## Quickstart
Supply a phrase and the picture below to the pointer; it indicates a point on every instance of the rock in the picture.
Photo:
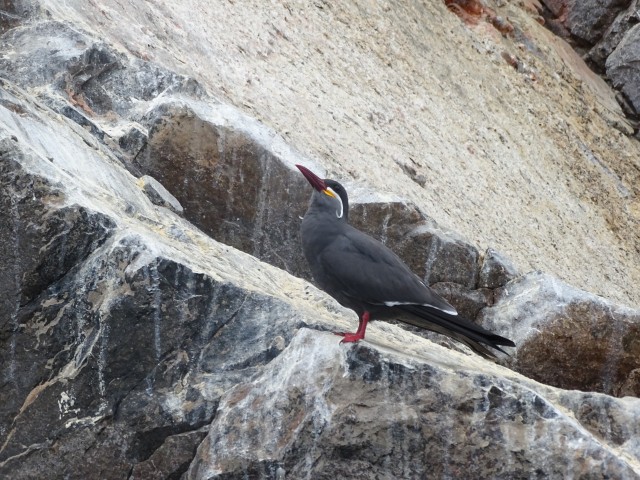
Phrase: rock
(605, 32)
(449, 258)
(585, 20)
(496, 270)
(468, 302)
(323, 411)
(171, 459)
(118, 342)
(613, 36)
(133, 140)
(14, 13)
(119, 387)
(434, 255)
(566, 337)
(622, 67)
(91, 78)
(234, 177)
(159, 195)
(43, 242)
(157, 334)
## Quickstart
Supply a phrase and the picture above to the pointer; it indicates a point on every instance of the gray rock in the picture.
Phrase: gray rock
(159, 195)
(133, 140)
(91, 78)
(584, 20)
(496, 270)
(42, 242)
(588, 19)
(171, 459)
(323, 411)
(15, 13)
(613, 35)
(567, 337)
(622, 67)
(132, 350)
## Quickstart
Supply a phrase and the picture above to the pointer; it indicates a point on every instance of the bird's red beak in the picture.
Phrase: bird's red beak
(315, 181)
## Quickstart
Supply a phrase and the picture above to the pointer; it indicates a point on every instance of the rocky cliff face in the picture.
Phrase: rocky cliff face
(155, 315)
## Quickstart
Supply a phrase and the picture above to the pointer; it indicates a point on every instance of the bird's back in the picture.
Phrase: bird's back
(357, 269)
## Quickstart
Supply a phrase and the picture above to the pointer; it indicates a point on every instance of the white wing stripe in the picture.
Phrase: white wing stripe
(394, 304)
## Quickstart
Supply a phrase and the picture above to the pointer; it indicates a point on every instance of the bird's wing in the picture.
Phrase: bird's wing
(366, 270)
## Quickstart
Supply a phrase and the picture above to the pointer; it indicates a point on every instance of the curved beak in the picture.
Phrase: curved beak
(315, 181)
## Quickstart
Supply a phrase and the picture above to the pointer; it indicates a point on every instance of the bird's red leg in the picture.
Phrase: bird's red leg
(359, 335)
(342, 334)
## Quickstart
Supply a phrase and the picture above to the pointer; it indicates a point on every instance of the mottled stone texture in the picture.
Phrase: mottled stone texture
(606, 32)
(568, 338)
(623, 67)
(120, 358)
(159, 195)
(41, 241)
(13, 13)
(585, 20)
(319, 411)
(496, 270)
(613, 35)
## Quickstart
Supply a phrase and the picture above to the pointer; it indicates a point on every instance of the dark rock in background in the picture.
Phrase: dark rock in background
(566, 337)
(220, 166)
(623, 67)
(496, 270)
(606, 33)
(584, 20)
(612, 37)
(133, 140)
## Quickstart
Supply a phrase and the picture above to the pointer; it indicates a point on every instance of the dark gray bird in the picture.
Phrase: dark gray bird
(364, 275)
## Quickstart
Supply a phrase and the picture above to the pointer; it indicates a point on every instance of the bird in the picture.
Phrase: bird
(364, 275)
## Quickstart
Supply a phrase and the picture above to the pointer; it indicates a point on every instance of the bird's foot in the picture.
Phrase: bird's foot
(351, 337)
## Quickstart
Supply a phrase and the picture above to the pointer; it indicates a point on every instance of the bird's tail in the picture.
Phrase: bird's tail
(456, 327)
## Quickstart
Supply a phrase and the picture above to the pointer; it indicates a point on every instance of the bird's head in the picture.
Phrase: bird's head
(329, 195)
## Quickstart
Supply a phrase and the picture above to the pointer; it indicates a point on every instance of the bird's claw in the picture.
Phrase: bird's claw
(351, 338)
